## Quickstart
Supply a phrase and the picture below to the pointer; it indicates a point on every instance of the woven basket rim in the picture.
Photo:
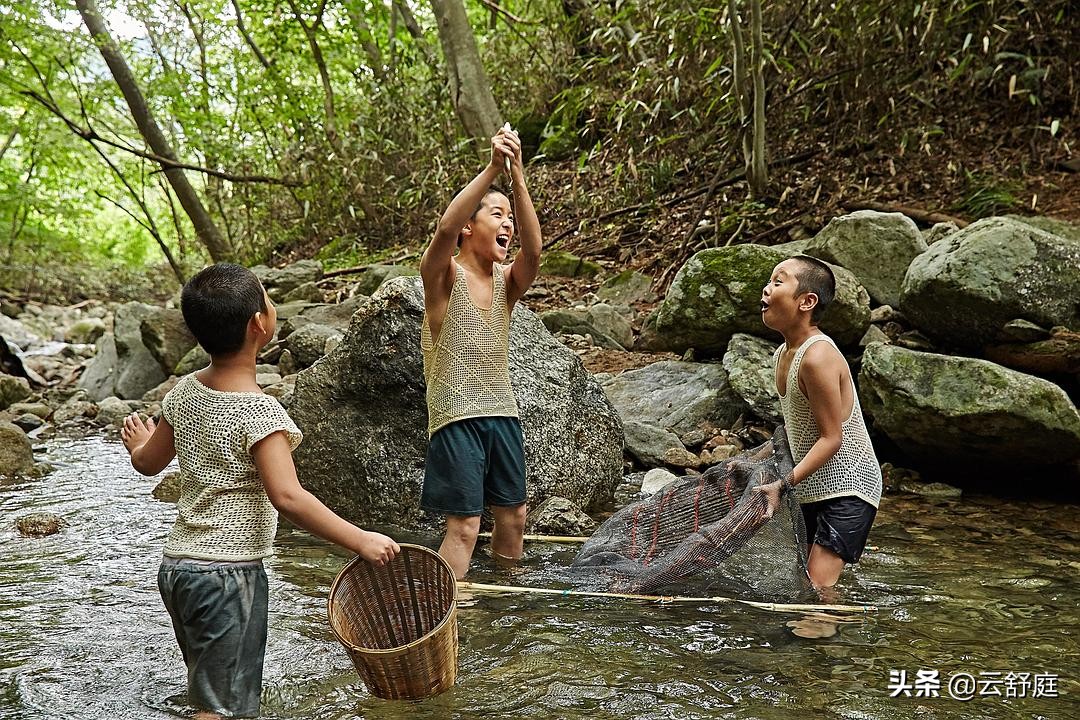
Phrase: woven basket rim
(451, 612)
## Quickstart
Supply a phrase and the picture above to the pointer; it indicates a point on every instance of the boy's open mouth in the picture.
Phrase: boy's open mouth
(503, 240)
(764, 306)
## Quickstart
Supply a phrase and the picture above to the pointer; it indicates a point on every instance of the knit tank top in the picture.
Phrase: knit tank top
(467, 368)
(854, 469)
(223, 511)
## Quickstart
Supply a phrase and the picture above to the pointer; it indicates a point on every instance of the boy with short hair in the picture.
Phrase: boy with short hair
(836, 478)
(234, 445)
(476, 453)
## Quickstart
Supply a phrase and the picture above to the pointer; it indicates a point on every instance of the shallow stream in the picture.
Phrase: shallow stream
(974, 587)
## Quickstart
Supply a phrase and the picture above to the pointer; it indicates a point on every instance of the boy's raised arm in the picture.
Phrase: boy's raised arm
(151, 446)
(435, 265)
(526, 265)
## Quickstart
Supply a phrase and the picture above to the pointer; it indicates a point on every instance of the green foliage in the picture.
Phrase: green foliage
(985, 196)
(638, 92)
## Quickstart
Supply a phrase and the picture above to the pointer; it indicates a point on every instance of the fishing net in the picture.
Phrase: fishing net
(707, 531)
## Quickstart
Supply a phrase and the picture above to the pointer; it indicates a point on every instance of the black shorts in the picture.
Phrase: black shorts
(473, 463)
(841, 524)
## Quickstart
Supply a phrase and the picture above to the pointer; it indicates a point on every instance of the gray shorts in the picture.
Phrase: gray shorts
(219, 616)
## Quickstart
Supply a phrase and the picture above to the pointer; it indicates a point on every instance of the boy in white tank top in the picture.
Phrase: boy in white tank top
(836, 478)
(476, 454)
(234, 446)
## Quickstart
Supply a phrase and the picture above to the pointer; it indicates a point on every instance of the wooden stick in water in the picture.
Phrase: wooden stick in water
(667, 600)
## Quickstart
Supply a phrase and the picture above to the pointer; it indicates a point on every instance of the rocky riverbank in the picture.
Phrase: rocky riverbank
(965, 344)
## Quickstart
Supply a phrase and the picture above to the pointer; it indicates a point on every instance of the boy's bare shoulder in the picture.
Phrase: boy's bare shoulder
(823, 356)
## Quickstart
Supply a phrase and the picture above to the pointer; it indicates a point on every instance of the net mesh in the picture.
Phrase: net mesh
(707, 531)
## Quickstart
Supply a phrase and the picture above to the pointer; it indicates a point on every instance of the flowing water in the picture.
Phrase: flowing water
(968, 588)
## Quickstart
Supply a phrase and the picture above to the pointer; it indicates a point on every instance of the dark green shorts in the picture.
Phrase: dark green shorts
(219, 617)
(472, 463)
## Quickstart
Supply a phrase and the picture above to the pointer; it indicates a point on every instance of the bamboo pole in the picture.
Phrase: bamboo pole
(547, 538)
(583, 538)
(667, 600)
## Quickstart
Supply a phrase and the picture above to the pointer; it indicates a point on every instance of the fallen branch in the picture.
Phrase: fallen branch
(926, 217)
(363, 268)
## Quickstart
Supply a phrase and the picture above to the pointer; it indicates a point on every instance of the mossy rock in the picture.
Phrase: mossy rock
(566, 264)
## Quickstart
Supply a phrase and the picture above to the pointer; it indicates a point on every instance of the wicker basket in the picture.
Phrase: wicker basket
(399, 623)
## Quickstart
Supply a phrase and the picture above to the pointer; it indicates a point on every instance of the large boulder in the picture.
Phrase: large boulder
(363, 413)
(608, 326)
(876, 247)
(717, 293)
(123, 365)
(749, 365)
(939, 408)
(166, 336)
(967, 287)
(677, 396)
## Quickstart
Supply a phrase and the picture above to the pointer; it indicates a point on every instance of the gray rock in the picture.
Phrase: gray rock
(717, 293)
(990, 273)
(166, 335)
(677, 396)
(647, 444)
(1022, 331)
(41, 410)
(265, 380)
(15, 331)
(309, 343)
(76, 408)
(168, 489)
(876, 247)
(376, 275)
(12, 390)
(308, 292)
(749, 365)
(123, 365)
(559, 516)
(279, 281)
(364, 416)
(85, 331)
(28, 422)
(157, 394)
(608, 326)
(39, 524)
(874, 334)
(940, 408)
(195, 359)
(16, 454)
(657, 479)
(627, 288)
(99, 377)
(939, 231)
(112, 411)
(929, 489)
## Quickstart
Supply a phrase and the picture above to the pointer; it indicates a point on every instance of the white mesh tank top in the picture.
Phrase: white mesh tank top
(854, 469)
(223, 511)
(467, 368)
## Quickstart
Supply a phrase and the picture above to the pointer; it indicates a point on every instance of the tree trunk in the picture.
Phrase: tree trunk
(759, 167)
(151, 132)
(470, 88)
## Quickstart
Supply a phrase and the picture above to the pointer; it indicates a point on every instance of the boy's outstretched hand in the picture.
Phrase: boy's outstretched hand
(376, 548)
(135, 432)
(772, 492)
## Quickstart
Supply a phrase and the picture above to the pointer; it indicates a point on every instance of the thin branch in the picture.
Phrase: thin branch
(90, 135)
(510, 17)
(263, 60)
